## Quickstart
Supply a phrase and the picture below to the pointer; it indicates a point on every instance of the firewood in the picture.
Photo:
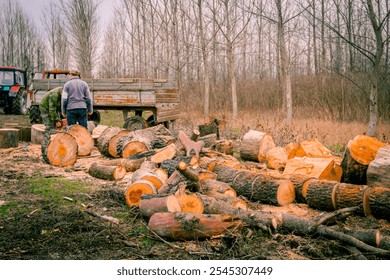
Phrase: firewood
(130, 165)
(172, 183)
(358, 155)
(192, 226)
(255, 145)
(150, 206)
(277, 158)
(376, 202)
(168, 152)
(211, 127)
(321, 168)
(144, 140)
(225, 173)
(103, 140)
(136, 190)
(312, 148)
(107, 172)
(211, 186)
(378, 171)
(9, 137)
(83, 138)
(113, 142)
(60, 149)
(148, 175)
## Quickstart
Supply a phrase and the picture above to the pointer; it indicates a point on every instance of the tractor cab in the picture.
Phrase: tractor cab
(13, 96)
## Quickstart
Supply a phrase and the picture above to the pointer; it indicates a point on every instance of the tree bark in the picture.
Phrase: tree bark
(106, 172)
(162, 204)
(376, 202)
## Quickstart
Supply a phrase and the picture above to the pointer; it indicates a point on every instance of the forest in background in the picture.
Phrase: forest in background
(303, 59)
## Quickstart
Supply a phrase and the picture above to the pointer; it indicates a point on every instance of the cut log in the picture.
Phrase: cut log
(291, 149)
(378, 171)
(162, 204)
(255, 145)
(195, 135)
(83, 138)
(136, 190)
(226, 174)
(348, 195)
(224, 146)
(234, 202)
(301, 183)
(113, 142)
(97, 131)
(147, 175)
(319, 195)
(192, 226)
(172, 183)
(211, 186)
(103, 140)
(24, 131)
(143, 140)
(106, 172)
(130, 165)
(60, 149)
(371, 237)
(359, 153)
(209, 140)
(376, 202)
(9, 138)
(37, 133)
(277, 158)
(312, 148)
(168, 152)
(321, 168)
(211, 127)
(190, 202)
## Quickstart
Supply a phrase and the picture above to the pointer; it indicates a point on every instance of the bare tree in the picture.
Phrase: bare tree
(83, 29)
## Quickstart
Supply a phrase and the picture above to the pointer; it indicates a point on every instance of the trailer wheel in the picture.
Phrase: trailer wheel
(95, 117)
(35, 114)
(135, 123)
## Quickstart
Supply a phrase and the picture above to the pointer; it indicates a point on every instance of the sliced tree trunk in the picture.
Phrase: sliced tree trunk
(189, 202)
(9, 138)
(312, 148)
(378, 171)
(130, 165)
(83, 138)
(277, 158)
(60, 149)
(348, 195)
(148, 175)
(37, 133)
(103, 141)
(291, 150)
(376, 202)
(319, 195)
(358, 155)
(226, 174)
(192, 226)
(143, 140)
(234, 202)
(113, 142)
(371, 237)
(136, 190)
(321, 168)
(209, 140)
(255, 145)
(168, 152)
(301, 183)
(161, 204)
(212, 186)
(106, 172)
(172, 183)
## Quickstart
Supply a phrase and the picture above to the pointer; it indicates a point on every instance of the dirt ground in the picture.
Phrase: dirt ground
(52, 213)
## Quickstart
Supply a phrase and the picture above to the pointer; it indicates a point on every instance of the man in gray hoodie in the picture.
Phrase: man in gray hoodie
(76, 101)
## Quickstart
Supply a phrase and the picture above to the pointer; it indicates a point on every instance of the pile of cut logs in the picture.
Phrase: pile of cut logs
(190, 186)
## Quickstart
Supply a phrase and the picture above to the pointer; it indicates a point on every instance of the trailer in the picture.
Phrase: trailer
(158, 99)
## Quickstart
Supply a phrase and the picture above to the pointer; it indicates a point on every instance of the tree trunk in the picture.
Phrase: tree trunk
(130, 165)
(161, 204)
(312, 148)
(376, 202)
(319, 195)
(321, 168)
(136, 190)
(358, 155)
(348, 195)
(9, 138)
(211, 186)
(255, 145)
(103, 141)
(378, 171)
(60, 149)
(106, 172)
(192, 226)
(83, 138)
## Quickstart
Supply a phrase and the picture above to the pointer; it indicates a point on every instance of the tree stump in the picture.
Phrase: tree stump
(192, 226)
(161, 204)
(83, 138)
(60, 149)
(376, 202)
(106, 172)
(136, 190)
(37, 133)
(358, 155)
(378, 171)
(9, 138)
(255, 145)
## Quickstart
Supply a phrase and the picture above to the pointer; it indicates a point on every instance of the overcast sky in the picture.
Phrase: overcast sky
(35, 8)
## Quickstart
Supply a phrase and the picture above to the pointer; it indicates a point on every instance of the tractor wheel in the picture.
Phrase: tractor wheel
(35, 114)
(19, 103)
(135, 123)
(95, 117)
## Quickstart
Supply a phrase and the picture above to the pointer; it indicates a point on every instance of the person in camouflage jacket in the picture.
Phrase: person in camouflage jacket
(50, 108)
